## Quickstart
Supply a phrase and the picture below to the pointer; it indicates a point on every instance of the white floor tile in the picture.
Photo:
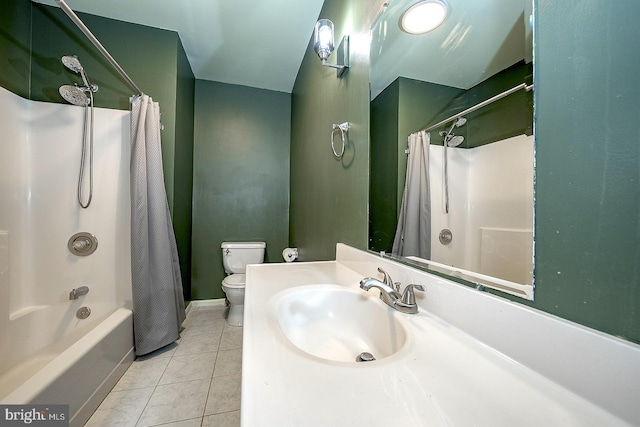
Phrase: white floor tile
(231, 338)
(228, 362)
(226, 419)
(121, 408)
(143, 373)
(189, 367)
(175, 402)
(192, 344)
(224, 394)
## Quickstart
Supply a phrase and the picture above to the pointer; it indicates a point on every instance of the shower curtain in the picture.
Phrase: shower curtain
(158, 302)
(413, 234)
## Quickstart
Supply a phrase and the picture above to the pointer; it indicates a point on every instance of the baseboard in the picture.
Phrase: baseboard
(207, 302)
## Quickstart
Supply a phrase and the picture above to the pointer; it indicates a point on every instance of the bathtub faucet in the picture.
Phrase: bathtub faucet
(405, 303)
(75, 293)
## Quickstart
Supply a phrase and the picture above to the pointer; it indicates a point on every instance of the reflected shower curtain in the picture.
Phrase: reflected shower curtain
(413, 234)
(158, 302)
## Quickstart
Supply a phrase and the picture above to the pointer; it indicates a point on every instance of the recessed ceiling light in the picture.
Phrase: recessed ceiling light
(423, 16)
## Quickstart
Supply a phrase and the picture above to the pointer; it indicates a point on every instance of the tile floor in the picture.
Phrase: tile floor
(193, 382)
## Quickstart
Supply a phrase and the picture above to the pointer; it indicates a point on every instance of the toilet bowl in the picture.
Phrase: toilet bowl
(235, 258)
(233, 287)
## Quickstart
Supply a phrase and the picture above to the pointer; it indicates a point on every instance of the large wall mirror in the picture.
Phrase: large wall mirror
(474, 193)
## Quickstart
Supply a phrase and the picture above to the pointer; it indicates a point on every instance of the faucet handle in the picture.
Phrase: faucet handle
(387, 279)
(408, 296)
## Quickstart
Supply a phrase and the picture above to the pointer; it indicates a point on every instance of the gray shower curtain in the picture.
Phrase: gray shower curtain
(158, 302)
(413, 233)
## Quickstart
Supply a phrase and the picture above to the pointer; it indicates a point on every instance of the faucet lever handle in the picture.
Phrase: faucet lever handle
(408, 296)
(387, 279)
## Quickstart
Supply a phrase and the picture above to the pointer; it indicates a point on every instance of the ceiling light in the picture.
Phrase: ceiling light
(423, 16)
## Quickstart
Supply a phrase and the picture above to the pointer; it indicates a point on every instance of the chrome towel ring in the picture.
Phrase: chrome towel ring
(344, 129)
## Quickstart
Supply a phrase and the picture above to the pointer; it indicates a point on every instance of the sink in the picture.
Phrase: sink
(335, 323)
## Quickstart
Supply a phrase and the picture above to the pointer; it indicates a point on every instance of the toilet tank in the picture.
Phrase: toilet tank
(237, 255)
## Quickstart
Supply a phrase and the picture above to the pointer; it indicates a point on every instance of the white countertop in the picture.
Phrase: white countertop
(442, 375)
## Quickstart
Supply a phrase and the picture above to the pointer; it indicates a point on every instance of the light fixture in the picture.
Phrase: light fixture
(323, 46)
(423, 16)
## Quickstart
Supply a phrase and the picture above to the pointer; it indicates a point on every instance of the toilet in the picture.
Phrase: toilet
(235, 258)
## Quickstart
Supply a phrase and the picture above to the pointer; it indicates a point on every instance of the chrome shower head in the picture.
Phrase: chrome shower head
(461, 121)
(455, 141)
(74, 95)
(72, 63)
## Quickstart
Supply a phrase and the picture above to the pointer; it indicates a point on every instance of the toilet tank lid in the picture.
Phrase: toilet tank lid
(245, 245)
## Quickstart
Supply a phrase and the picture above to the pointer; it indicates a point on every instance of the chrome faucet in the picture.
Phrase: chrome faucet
(75, 293)
(405, 303)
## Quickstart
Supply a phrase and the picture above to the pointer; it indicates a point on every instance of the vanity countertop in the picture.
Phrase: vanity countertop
(441, 376)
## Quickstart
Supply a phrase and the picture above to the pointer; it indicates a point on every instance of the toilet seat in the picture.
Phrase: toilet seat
(234, 281)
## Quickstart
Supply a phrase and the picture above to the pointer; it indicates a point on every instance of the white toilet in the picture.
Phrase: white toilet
(235, 258)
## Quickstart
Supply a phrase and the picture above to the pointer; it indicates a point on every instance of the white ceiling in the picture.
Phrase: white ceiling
(253, 43)
(478, 39)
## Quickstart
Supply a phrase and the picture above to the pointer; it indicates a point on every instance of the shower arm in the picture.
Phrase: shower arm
(71, 14)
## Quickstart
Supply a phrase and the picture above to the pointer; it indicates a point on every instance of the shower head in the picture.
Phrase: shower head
(72, 63)
(74, 95)
(461, 121)
(455, 141)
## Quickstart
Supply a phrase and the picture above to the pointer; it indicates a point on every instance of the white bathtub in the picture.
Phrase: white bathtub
(81, 375)
(47, 354)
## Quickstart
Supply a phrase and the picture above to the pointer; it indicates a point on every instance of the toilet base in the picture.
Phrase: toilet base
(235, 316)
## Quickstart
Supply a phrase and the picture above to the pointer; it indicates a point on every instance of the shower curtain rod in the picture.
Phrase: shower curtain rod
(71, 14)
(481, 104)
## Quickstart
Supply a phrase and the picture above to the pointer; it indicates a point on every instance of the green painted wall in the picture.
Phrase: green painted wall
(329, 197)
(505, 118)
(383, 168)
(241, 176)
(183, 166)
(15, 46)
(587, 224)
(33, 38)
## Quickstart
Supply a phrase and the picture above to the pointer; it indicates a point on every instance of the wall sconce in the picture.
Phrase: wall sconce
(323, 46)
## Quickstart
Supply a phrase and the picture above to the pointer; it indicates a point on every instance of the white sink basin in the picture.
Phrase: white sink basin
(336, 323)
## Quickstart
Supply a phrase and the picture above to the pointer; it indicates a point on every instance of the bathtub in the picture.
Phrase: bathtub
(47, 354)
(81, 375)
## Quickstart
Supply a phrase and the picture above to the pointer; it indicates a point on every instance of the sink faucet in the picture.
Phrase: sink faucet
(405, 303)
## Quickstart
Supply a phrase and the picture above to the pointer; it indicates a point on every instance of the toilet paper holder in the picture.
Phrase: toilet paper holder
(290, 254)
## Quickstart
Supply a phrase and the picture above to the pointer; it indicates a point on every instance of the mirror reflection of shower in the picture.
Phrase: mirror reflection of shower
(82, 96)
(450, 140)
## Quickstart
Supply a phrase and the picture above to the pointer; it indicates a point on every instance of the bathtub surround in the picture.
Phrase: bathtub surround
(158, 301)
(46, 352)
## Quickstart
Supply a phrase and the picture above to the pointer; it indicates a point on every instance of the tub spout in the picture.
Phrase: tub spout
(75, 293)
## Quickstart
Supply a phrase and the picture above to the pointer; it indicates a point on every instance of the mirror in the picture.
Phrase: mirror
(480, 183)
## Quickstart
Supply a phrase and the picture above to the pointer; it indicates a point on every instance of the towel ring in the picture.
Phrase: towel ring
(344, 129)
